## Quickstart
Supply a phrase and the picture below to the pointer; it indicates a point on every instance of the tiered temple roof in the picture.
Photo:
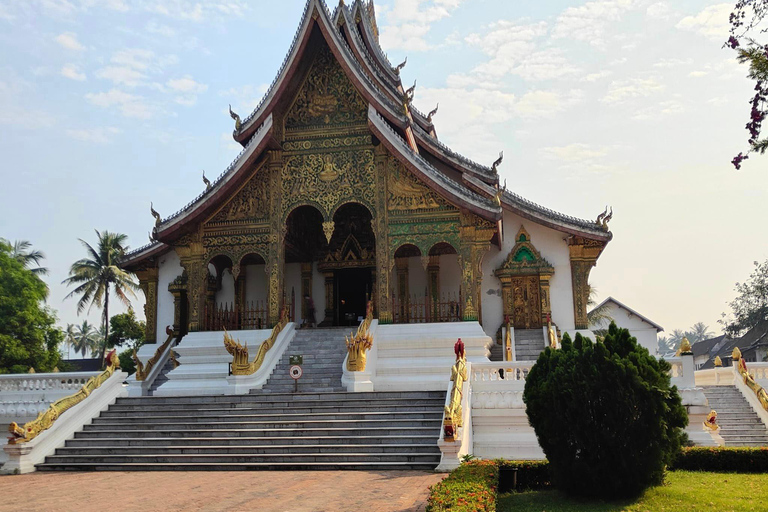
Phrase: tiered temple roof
(351, 34)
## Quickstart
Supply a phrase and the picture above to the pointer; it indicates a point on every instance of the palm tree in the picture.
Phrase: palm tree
(600, 316)
(70, 335)
(20, 251)
(699, 332)
(85, 339)
(97, 275)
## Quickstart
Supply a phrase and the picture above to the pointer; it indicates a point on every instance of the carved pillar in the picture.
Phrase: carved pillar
(148, 283)
(275, 264)
(476, 234)
(239, 274)
(546, 304)
(584, 253)
(329, 310)
(383, 263)
(403, 293)
(433, 283)
(192, 258)
(213, 284)
(306, 286)
(178, 288)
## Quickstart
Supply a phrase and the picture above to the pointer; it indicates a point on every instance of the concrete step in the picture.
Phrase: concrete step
(739, 423)
(252, 450)
(175, 424)
(266, 466)
(265, 441)
(211, 458)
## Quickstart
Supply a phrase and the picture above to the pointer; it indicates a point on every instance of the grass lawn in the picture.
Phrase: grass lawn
(683, 491)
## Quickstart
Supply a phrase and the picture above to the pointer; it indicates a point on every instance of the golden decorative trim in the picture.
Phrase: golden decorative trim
(142, 370)
(240, 364)
(762, 395)
(718, 361)
(45, 419)
(508, 341)
(357, 344)
(452, 419)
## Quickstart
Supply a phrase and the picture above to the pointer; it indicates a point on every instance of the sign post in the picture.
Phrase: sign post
(295, 373)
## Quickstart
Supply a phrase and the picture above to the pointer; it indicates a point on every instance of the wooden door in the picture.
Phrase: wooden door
(526, 302)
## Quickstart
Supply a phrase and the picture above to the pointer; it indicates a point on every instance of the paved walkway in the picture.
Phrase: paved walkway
(265, 491)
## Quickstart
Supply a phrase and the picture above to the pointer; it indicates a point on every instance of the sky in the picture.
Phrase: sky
(106, 106)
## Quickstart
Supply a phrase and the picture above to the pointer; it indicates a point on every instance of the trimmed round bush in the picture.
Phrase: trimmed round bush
(605, 414)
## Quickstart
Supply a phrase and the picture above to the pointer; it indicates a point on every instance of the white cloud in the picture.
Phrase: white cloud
(153, 27)
(72, 72)
(409, 21)
(658, 10)
(122, 75)
(594, 77)
(197, 10)
(576, 152)
(93, 135)
(245, 98)
(622, 90)
(130, 105)
(541, 104)
(697, 74)
(673, 63)
(69, 41)
(712, 22)
(588, 22)
(186, 84)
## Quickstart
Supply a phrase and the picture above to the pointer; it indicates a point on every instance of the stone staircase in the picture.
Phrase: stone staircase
(270, 431)
(529, 343)
(323, 351)
(162, 378)
(497, 352)
(739, 423)
(320, 427)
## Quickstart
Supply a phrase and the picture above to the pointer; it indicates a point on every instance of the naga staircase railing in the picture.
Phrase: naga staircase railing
(46, 419)
(240, 357)
(144, 369)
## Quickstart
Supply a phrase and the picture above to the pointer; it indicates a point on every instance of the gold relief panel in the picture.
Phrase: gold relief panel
(327, 143)
(406, 193)
(250, 203)
(329, 180)
(327, 97)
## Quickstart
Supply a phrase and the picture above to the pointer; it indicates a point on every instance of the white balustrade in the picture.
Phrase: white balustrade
(44, 381)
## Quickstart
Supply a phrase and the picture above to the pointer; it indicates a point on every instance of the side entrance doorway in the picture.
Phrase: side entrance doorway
(352, 289)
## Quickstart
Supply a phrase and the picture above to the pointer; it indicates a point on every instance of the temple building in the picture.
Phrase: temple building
(344, 193)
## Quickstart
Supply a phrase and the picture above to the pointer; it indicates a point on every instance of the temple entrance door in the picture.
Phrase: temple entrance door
(353, 287)
(526, 302)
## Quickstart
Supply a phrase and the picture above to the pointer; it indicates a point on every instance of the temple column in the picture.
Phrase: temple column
(382, 301)
(329, 310)
(476, 234)
(546, 304)
(433, 283)
(275, 264)
(178, 288)
(584, 253)
(306, 287)
(209, 312)
(238, 272)
(403, 292)
(192, 258)
(148, 283)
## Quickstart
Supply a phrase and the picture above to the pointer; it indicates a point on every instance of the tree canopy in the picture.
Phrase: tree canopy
(750, 307)
(746, 25)
(28, 336)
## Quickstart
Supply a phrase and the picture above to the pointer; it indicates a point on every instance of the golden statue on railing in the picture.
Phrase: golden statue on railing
(142, 370)
(359, 343)
(452, 420)
(46, 418)
(508, 340)
(711, 421)
(240, 364)
(760, 392)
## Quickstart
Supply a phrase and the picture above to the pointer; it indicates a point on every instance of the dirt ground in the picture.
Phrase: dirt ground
(262, 491)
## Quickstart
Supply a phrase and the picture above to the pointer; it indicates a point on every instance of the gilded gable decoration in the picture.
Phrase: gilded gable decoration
(407, 193)
(524, 258)
(327, 97)
(251, 203)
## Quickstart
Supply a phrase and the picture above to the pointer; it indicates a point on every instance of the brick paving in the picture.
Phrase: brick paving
(264, 491)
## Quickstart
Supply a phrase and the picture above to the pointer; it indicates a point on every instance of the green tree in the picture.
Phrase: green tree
(86, 338)
(599, 317)
(99, 274)
(70, 336)
(125, 328)
(699, 332)
(750, 307)
(28, 335)
(605, 414)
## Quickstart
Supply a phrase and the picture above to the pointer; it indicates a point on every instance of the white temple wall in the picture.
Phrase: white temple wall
(169, 268)
(553, 247)
(293, 282)
(255, 283)
(226, 294)
(450, 276)
(318, 294)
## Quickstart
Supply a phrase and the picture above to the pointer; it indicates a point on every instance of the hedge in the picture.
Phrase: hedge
(722, 460)
(473, 485)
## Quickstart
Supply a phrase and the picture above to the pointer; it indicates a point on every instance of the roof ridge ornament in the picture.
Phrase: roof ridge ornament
(432, 113)
(410, 92)
(400, 66)
(207, 182)
(236, 117)
(154, 214)
(607, 219)
(497, 162)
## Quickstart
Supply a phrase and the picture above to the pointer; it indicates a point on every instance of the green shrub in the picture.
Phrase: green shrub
(531, 474)
(605, 415)
(722, 460)
(469, 488)
(127, 363)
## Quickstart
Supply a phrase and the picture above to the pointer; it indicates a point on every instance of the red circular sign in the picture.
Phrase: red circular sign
(295, 372)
